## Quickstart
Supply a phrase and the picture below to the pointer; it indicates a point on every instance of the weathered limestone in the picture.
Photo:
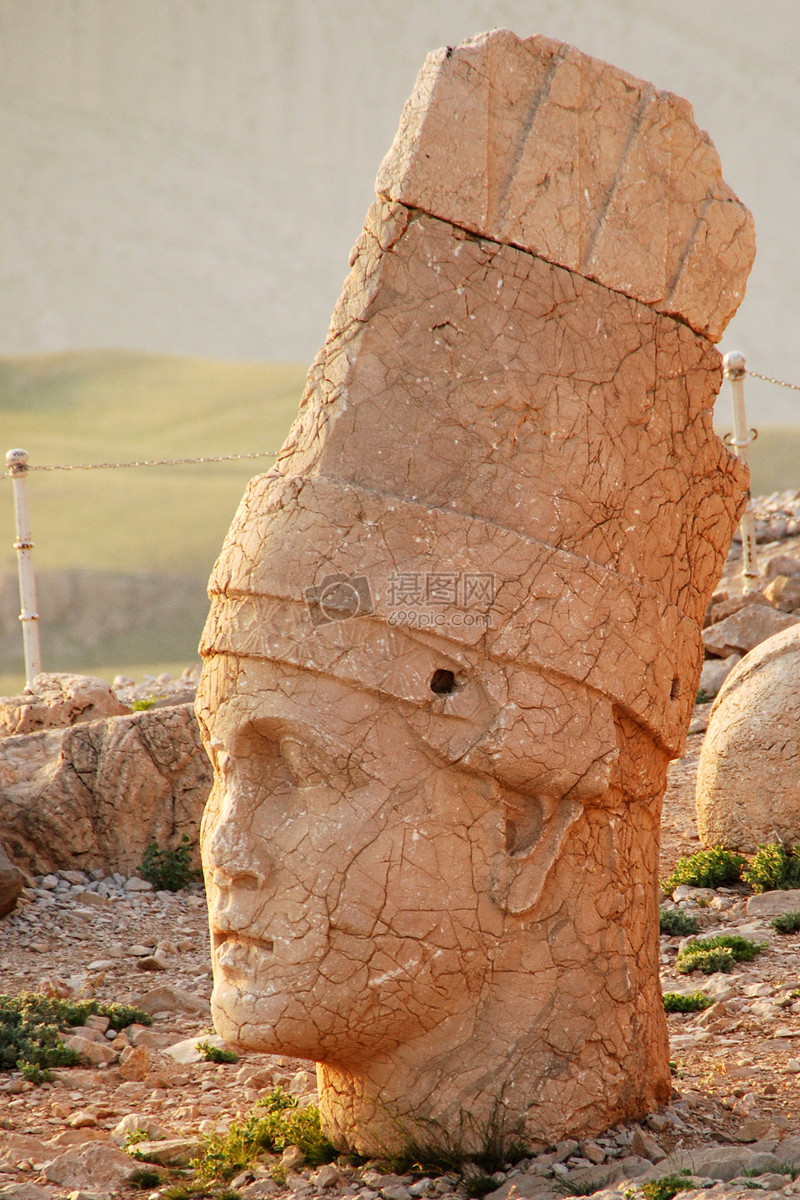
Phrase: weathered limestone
(455, 633)
(12, 881)
(56, 701)
(536, 144)
(96, 794)
(748, 779)
(746, 629)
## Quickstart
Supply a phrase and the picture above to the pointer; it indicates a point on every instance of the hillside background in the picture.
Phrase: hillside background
(182, 182)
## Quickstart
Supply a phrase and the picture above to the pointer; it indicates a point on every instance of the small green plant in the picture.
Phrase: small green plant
(694, 1002)
(135, 1136)
(216, 1054)
(667, 1186)
(788, 922)
(145, 1178)
(702, 697)
(772, 869)
(718, 953)
(33, 1073)
(143, 705)
(30, 1038)
(712, 868)
(29, 1030)
(675, 923)
(168, 870)
(276, 1122)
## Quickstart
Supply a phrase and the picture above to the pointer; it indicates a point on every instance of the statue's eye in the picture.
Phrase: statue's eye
(311, 765)
(305, 766)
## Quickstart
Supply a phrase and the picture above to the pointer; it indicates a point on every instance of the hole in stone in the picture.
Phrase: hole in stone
(675, 689)
(443, 683)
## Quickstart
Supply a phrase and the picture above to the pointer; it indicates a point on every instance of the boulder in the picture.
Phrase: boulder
(95, 1166)
(172, 999)
(774, 904)
(56, 701)
(12, 882)
(784, 592)
(782, 564)
(748, 779)
(714, 673)
(95, 794)
(745, 630)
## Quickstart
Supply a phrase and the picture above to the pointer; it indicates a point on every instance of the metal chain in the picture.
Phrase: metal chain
(151, 462)
(214, 458)
(795, 387)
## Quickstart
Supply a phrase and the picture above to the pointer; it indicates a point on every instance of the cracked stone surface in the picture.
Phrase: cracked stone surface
(454, 638)
(748, 784)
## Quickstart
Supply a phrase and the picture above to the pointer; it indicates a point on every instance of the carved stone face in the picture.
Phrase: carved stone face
(431, 850)
(360, 887)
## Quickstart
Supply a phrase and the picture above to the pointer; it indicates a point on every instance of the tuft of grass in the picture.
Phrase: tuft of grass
(574, 1187)
(145, 1178)
(437, 1151)
(276, 1122)
(216, 1054)
(718, 953)
(168, 870)
(667, 1186)
(772, 869)
(694, 1002)
(143, 705)
(788, 922)
(675, 923)
(712, 868)
(476, 1184)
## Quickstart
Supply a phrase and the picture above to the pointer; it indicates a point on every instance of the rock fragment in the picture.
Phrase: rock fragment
(56, 701)
(97, 1166)
(745, 630)
(96, 794)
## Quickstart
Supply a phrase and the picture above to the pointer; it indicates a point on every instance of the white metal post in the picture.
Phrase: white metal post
(735, 370)
(17, 463)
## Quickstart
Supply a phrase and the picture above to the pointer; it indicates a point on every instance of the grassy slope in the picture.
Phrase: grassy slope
(109, 406)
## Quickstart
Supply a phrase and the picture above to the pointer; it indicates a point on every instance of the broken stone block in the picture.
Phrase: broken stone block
(745, 630)
(94, 795)
(454, 636)
(532, 143)
(784, 592)
(56, 701)
(748, 778)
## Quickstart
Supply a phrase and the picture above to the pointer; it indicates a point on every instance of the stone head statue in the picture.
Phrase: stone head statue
(455, 632)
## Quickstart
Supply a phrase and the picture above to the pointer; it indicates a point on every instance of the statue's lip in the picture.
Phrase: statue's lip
(223, 937)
